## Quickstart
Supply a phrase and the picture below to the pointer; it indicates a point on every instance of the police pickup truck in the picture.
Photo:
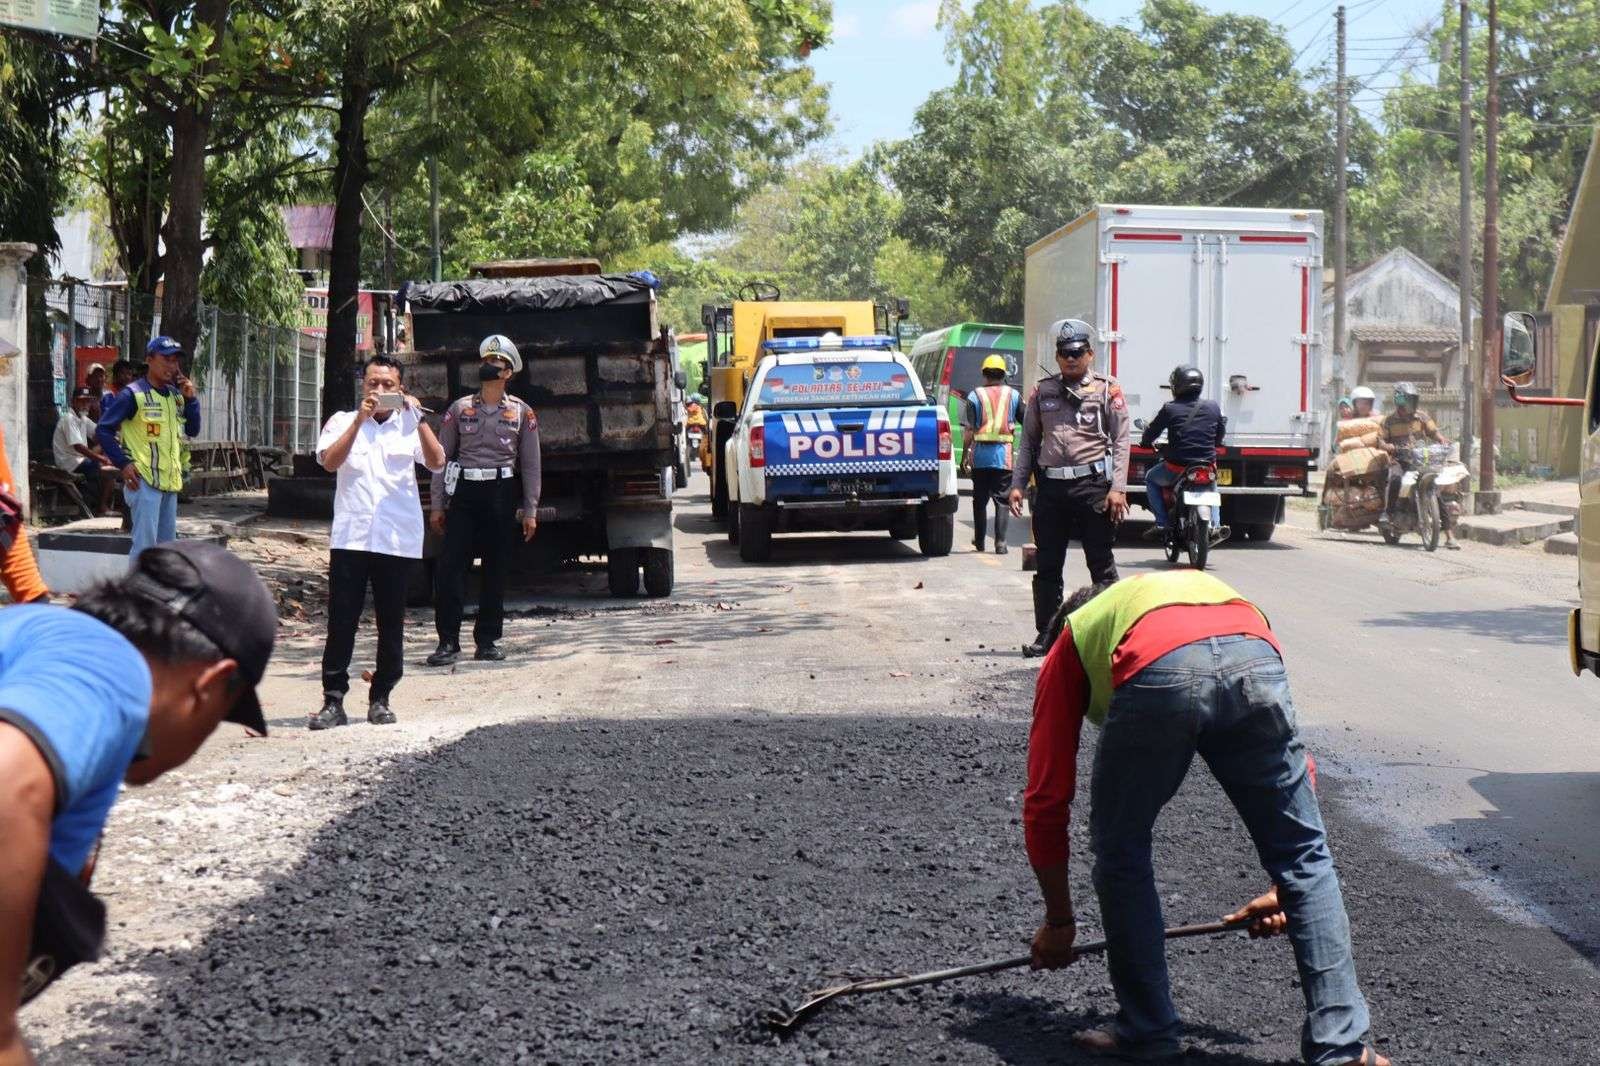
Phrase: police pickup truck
(836, 434)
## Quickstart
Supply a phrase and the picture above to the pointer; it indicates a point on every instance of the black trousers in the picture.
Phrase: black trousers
(988, 485)
(1063, 510)
(480, 523)
(349, 574)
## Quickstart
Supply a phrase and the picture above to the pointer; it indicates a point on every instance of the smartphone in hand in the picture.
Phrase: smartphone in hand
(390, 401)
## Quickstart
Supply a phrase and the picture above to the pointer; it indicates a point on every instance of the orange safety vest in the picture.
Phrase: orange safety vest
(997, 404)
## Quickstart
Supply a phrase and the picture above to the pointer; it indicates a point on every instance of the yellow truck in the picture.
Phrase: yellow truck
(735, 334)
(1519, 357)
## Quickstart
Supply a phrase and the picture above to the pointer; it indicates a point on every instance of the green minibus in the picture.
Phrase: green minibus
(950, 363)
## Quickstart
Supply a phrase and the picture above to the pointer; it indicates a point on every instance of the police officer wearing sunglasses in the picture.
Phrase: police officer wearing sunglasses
(1075, 444)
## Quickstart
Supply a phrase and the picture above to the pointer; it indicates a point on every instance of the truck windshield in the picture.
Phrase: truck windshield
(842, 383)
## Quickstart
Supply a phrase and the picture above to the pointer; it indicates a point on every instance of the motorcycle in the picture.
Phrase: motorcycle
(1191, 502)
(1430, 495)
(696, 433)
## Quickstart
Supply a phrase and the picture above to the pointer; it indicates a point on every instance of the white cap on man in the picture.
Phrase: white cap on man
(499, 346)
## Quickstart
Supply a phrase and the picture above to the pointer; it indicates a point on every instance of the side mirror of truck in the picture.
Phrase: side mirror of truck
(708, 316)
(1519, 349)
(902, 307)
(680, 379)
(724, 410)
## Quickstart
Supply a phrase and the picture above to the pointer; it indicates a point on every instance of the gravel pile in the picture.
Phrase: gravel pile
(574, 893)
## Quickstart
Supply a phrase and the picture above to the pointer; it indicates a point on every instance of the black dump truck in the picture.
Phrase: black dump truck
(602, 377)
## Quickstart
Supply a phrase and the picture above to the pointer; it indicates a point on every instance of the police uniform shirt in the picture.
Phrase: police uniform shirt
(481, 437)
(1073, 425)
(1400, 428)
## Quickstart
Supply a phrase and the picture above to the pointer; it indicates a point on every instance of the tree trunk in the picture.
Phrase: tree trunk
(184, 229)
(350, 175)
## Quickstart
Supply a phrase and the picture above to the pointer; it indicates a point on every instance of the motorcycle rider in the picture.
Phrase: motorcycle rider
(1362, 402)
(1194, 428)
(1406, 428)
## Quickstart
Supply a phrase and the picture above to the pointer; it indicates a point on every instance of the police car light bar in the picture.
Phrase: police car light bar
(815, 344)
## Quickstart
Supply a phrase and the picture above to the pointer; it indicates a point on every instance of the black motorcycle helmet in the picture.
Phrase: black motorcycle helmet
(1187, 382)
(1073, 335)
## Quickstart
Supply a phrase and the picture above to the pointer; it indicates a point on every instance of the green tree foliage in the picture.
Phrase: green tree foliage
(632, 126)
(31, 129)
(1053, 111)
(1549, 86)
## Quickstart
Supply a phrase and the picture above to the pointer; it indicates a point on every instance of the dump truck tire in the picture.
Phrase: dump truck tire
(622, 572)
(658, 571)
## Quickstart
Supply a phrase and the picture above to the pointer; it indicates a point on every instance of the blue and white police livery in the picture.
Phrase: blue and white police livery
(837, 434)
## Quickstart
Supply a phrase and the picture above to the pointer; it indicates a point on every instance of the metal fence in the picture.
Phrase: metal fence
(259, 383)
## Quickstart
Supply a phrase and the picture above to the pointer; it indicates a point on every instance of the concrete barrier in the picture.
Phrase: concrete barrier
(75, 562)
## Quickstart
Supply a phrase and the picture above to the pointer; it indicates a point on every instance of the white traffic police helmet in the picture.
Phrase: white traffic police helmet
(499, 346)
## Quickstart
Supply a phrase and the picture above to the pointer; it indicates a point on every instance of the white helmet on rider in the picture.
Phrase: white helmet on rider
(499, 346)
(1361, 392)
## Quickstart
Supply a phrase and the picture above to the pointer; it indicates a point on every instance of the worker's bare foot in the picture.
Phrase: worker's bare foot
(1369, 1057)
(1105, 1042)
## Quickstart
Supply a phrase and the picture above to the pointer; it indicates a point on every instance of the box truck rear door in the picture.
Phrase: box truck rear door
(1264, 364)
(1153, 318)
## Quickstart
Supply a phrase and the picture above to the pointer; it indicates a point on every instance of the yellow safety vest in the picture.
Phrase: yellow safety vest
(1099, 625)
(997, 403)
(151, 437)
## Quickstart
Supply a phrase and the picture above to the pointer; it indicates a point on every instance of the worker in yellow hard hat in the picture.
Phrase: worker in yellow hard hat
(992, 413)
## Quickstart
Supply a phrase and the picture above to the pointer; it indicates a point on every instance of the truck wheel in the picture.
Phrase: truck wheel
(936, 534)
(904, 526)
(622, 571)
(1263, 531)
(733, 525)
(658, 571)
(755, 533)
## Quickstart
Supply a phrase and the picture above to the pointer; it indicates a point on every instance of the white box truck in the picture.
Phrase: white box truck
(1234, 291)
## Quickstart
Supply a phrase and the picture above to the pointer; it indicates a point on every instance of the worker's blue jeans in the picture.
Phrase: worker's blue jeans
(1226, 698)
(153, 515)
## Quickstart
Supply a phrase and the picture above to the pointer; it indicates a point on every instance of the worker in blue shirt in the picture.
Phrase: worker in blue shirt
(123, 686)
(138, 430)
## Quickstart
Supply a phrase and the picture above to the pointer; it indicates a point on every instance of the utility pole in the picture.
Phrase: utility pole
(433, 183)
(1464, 272)
(1491, 253)
(1340, 199)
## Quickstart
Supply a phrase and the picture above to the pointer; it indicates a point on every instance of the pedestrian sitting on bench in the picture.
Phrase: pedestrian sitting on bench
(74, 450)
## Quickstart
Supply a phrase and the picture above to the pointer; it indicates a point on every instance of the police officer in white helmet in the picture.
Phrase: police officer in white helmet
(491, 445)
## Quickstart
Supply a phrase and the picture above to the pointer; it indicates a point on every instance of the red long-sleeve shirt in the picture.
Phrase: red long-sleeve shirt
(1062, 695)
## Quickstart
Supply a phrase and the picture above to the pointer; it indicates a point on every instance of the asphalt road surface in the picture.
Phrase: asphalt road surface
(660, 817)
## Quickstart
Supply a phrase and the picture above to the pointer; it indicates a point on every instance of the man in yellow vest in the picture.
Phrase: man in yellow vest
(992, 413)
(1168, 665)
(139, 431)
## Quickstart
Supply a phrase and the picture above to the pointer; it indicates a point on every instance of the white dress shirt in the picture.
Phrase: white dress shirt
(72, 428)
(376, 507)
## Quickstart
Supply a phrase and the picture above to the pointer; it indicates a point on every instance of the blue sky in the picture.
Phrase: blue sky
(888, 55)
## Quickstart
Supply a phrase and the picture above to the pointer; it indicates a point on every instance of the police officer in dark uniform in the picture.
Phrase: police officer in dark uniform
(491, 448)
(1075, 443)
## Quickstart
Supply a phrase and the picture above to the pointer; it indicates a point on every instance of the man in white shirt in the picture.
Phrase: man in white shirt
(74, 448)
(377, 532)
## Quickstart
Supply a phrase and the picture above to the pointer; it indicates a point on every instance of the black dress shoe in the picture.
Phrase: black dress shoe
(378, 712)
(1040, 646)
(489, 653)
(332, 714)
(1000, 547)
(444, 654)
(977, 545)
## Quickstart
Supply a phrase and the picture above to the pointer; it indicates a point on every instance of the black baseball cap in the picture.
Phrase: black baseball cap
(225, 601)
(83, 392)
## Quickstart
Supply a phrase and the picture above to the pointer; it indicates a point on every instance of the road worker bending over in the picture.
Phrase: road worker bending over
(1168, 665)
